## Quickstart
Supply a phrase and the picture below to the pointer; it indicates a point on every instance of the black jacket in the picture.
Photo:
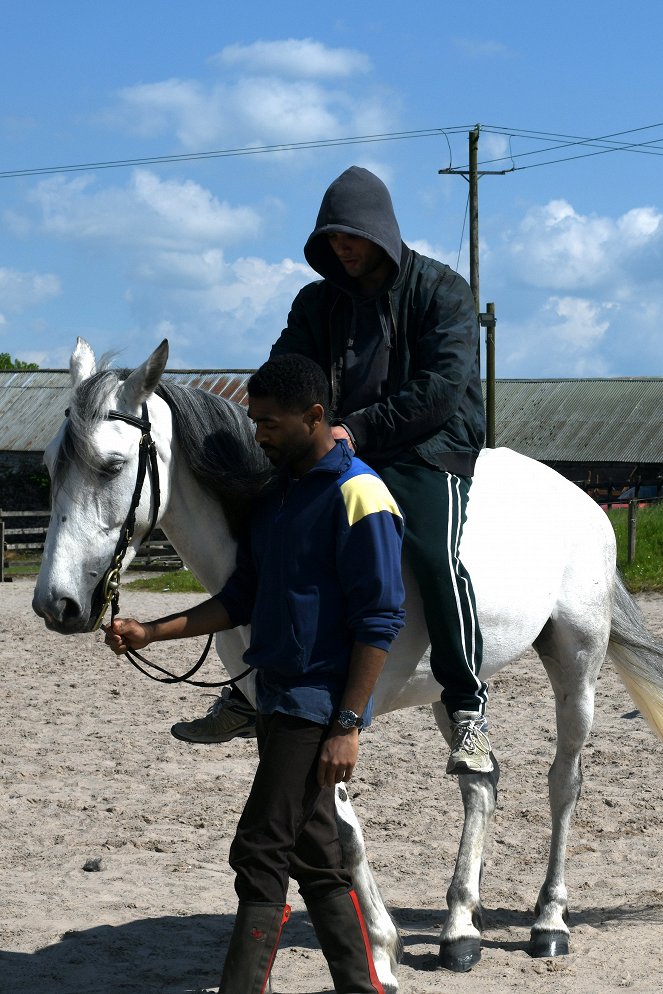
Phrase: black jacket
(432, 404)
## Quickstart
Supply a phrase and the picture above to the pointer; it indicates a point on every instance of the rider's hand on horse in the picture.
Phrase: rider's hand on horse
(127, 633)
(338, 431)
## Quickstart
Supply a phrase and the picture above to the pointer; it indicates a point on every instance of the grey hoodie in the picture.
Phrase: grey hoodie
(357, 203)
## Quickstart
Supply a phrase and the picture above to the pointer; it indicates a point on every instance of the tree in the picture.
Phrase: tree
(6, 362)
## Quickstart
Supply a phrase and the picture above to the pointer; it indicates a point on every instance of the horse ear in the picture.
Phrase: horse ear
(142, 382)
(82, 364)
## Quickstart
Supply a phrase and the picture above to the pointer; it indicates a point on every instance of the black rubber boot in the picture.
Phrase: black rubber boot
(252, 948)
(341, 931)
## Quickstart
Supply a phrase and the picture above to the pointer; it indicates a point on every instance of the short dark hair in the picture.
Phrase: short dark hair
(294, 381)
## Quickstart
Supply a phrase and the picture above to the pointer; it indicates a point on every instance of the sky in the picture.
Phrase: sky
(207, 251)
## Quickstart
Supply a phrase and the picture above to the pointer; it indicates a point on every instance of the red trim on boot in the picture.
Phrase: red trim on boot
(367, 945)
(284, 919)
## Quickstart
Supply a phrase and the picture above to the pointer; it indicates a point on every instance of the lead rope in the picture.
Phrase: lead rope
(135, 658)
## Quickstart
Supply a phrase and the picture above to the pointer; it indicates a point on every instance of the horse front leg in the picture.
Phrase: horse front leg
(460, 940)
(383, 935)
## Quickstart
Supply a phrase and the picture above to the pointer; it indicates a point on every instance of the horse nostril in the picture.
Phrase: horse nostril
(62, 614)
(68, 610)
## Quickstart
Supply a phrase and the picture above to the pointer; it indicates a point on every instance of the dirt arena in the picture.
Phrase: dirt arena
(91, 776)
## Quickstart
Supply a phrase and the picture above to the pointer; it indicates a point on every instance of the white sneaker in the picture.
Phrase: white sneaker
(470, 747)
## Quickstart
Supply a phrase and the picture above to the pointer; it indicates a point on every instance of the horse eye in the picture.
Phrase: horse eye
(113, 468)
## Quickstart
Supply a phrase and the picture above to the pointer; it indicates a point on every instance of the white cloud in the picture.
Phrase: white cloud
(156, 105)
(566, 337)
(302, 57)
(293, 111)
(148, 212)
(557, 248)
(577, 324)
(198, 117)
(495, 147)
(232, 310)
(20, 290)
(585, 294)
(176, 277)
(640, 225)
(267, 93)
(443, 254)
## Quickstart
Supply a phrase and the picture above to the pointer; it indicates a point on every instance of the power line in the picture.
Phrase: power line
(604, 143)
(573, 141)
(588, 155)
(228, 152)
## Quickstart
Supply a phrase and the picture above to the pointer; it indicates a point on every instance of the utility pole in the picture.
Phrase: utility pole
(487, 320)
(474, 217)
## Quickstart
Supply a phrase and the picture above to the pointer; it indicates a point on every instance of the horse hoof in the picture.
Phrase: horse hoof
(544, 944)
(460, 955)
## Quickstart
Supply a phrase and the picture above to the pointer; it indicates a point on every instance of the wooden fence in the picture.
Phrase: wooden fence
(22, 535)
(22, 547)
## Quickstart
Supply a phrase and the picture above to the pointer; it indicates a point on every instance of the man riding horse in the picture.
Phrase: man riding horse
(396, 333)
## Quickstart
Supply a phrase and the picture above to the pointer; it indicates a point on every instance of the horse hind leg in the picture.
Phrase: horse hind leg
(572, 657)
(386, 944)
(460, 940)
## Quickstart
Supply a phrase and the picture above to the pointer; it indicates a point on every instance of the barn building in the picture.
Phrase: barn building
(604, 434)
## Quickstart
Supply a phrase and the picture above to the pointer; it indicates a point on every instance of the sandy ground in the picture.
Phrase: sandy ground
(89, 772)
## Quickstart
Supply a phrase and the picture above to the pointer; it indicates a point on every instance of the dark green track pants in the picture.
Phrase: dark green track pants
(434, 503)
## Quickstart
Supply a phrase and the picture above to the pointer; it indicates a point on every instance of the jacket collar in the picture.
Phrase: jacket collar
(335, 462)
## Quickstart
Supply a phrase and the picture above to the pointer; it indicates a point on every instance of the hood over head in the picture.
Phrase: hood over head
(357, 203)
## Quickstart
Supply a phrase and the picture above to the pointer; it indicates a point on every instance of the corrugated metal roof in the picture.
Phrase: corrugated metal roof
(583, 420)
(32, 403)
(230, 384)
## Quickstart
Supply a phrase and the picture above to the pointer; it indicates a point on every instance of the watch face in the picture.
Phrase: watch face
(348, 719)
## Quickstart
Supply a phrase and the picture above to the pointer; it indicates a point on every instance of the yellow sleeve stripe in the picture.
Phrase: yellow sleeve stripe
(367, 494)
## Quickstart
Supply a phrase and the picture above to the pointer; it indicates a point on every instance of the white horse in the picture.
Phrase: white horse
(540, 551)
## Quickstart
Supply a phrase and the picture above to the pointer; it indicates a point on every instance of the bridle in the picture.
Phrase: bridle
(110, 582)
(147, 455)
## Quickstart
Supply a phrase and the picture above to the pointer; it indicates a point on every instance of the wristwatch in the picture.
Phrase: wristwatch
(348, 719)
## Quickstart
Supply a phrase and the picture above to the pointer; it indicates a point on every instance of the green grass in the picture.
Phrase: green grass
(179, 581)
(646, 571)
(22, 569)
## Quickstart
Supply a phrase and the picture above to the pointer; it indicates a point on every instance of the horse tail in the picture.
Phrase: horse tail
(638, 656)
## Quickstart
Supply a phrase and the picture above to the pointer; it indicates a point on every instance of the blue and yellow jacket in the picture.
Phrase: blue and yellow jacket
(319, 569)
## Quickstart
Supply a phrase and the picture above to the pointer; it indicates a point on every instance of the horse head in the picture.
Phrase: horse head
(94, 462)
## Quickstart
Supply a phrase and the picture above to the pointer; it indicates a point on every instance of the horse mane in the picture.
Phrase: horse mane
(217, 441)
(214, 434)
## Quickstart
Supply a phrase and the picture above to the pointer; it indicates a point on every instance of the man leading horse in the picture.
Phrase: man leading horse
(318, 578)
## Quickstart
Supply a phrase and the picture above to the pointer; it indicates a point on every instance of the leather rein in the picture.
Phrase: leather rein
(110, 582)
